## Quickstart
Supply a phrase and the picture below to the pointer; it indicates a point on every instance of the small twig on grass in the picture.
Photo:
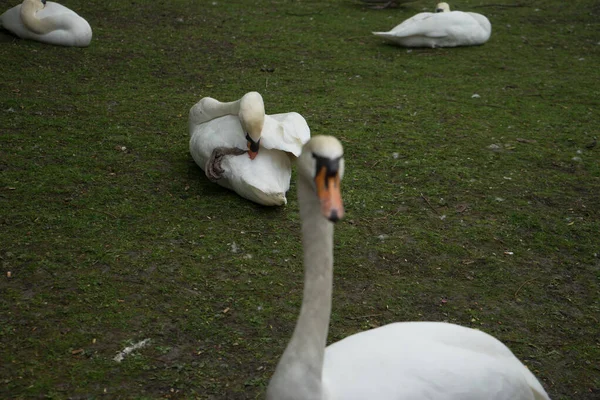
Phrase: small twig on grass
(523, 284)
(429, 204)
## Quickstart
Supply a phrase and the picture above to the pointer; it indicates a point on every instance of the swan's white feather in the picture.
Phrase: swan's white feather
(287, 132)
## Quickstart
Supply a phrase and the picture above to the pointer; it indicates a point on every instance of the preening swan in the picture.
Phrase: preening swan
(48, 22)
(400, 361)
(243, 149)
(444, 28)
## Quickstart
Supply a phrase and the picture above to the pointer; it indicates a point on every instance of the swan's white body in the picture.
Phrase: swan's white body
(400, 361)
(426, 360)
(441, 29)
(266, 178)
(54, 24)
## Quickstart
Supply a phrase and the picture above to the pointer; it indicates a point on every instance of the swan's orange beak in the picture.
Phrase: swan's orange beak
(330, 195)
(251, 153)
(253, 146)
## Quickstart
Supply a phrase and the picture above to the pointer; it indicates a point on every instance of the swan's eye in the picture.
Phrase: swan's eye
(331, 165)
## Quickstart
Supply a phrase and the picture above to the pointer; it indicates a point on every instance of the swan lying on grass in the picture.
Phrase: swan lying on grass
(243, 149)
(444, 28)
(48, 22)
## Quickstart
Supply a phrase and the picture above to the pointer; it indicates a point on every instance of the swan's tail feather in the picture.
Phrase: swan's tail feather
(385, 35)
(540, 395)
(536, 387)
(268, 199)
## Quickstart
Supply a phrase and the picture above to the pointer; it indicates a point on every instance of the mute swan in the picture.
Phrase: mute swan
(444, 28)
(48, 22)
(399, 361)
(221, 132)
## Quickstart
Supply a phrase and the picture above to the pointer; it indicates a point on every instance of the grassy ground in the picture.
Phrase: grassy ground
(479, 211)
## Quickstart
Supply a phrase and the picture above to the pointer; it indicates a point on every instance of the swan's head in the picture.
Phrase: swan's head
(442, 7)
(252, 117)
(322, 165)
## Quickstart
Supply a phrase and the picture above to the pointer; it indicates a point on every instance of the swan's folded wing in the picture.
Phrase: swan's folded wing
(431, 25)
(414, 19)
(264, 180)
(287, 132)
(427, 28)
(219, 132)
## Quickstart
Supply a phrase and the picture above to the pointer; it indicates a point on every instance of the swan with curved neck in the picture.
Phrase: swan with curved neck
(47, 22)
(221, 133)
(399, 361)
(29, 9)
(250, 109)
(443, 28)
(442, 7)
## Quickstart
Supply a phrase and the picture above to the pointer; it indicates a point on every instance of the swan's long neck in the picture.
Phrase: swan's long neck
(220, 108)
(298, 374)
(32, 22)
(208, 108)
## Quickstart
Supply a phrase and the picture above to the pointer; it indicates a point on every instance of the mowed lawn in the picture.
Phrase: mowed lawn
(472, 193)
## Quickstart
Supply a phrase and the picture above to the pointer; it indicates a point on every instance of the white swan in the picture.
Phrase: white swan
(400, 361)
(48, 22)
(222, 133)
(444, 28)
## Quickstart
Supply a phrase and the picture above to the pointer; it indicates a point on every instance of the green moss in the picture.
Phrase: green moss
(479, 211)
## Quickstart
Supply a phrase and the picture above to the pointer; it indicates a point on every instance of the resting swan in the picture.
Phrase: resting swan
(48, 22)
(444, 28)
(222, 133)
(399, 361)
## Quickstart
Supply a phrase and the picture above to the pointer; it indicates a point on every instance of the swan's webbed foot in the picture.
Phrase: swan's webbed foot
(212, 168)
